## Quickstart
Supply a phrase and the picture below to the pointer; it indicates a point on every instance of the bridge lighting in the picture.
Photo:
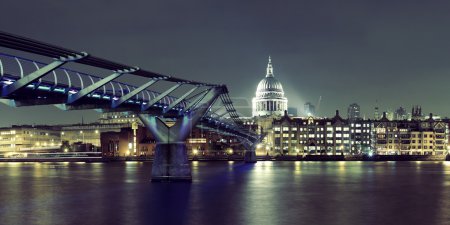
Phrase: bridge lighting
(44, 88)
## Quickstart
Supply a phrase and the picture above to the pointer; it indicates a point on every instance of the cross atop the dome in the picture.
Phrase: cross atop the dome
(269, 68)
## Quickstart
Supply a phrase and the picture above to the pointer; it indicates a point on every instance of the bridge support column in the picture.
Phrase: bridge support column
(171, 160)
(250, 151)
(250, 156)
(171, 163)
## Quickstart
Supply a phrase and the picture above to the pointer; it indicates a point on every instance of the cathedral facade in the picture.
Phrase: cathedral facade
(269, 100)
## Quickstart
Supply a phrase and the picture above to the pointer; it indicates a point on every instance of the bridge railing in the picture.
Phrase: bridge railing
(68, 80)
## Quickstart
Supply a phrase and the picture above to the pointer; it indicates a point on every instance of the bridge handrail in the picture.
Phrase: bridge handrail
(83, 74)
(32, 46)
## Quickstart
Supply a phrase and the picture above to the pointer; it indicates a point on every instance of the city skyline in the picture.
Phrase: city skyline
(355, 52)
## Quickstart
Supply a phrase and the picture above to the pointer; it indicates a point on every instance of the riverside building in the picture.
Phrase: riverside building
(317, 136)
(29, 138)
(414, 137)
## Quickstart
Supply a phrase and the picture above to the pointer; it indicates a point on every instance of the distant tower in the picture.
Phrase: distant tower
(390, 114)
(354, 112)
(310, 109)
(417, 113)
(269, 98)
(377, 112)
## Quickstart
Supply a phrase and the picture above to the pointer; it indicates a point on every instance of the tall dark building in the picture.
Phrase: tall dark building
(400, 114)
(417, 113)
(354, 112)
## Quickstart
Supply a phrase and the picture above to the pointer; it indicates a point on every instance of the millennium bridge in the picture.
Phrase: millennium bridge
(36, 73)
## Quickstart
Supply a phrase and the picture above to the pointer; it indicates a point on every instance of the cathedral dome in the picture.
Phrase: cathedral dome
(269, 87)
(269, 99)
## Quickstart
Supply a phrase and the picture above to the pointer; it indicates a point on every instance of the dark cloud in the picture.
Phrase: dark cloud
(396, 52)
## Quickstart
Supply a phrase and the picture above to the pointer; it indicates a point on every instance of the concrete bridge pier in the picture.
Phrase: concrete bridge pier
(171, 163)
(171, 160)
(250, 151)
(250, 156)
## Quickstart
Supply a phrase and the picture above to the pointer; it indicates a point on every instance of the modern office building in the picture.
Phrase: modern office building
(29, 138)
(400, 114)
(89, 133)
(354, 112)
(309, 109)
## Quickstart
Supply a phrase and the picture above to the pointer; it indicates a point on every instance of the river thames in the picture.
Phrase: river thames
(347, 193)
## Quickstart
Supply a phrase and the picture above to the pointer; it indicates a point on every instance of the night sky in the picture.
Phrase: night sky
(396, 52)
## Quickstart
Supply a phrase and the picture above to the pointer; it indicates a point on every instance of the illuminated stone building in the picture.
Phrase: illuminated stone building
(415, 137)
(361, 136)
(127, 142)
(312, 136)
(269, 100)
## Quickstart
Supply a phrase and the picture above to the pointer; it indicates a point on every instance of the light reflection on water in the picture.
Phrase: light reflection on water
(227, 193)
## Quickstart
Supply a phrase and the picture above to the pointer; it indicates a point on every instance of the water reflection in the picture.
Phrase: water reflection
(227, 193)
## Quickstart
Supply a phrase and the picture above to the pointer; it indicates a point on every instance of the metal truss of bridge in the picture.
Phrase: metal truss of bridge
(35, 73)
